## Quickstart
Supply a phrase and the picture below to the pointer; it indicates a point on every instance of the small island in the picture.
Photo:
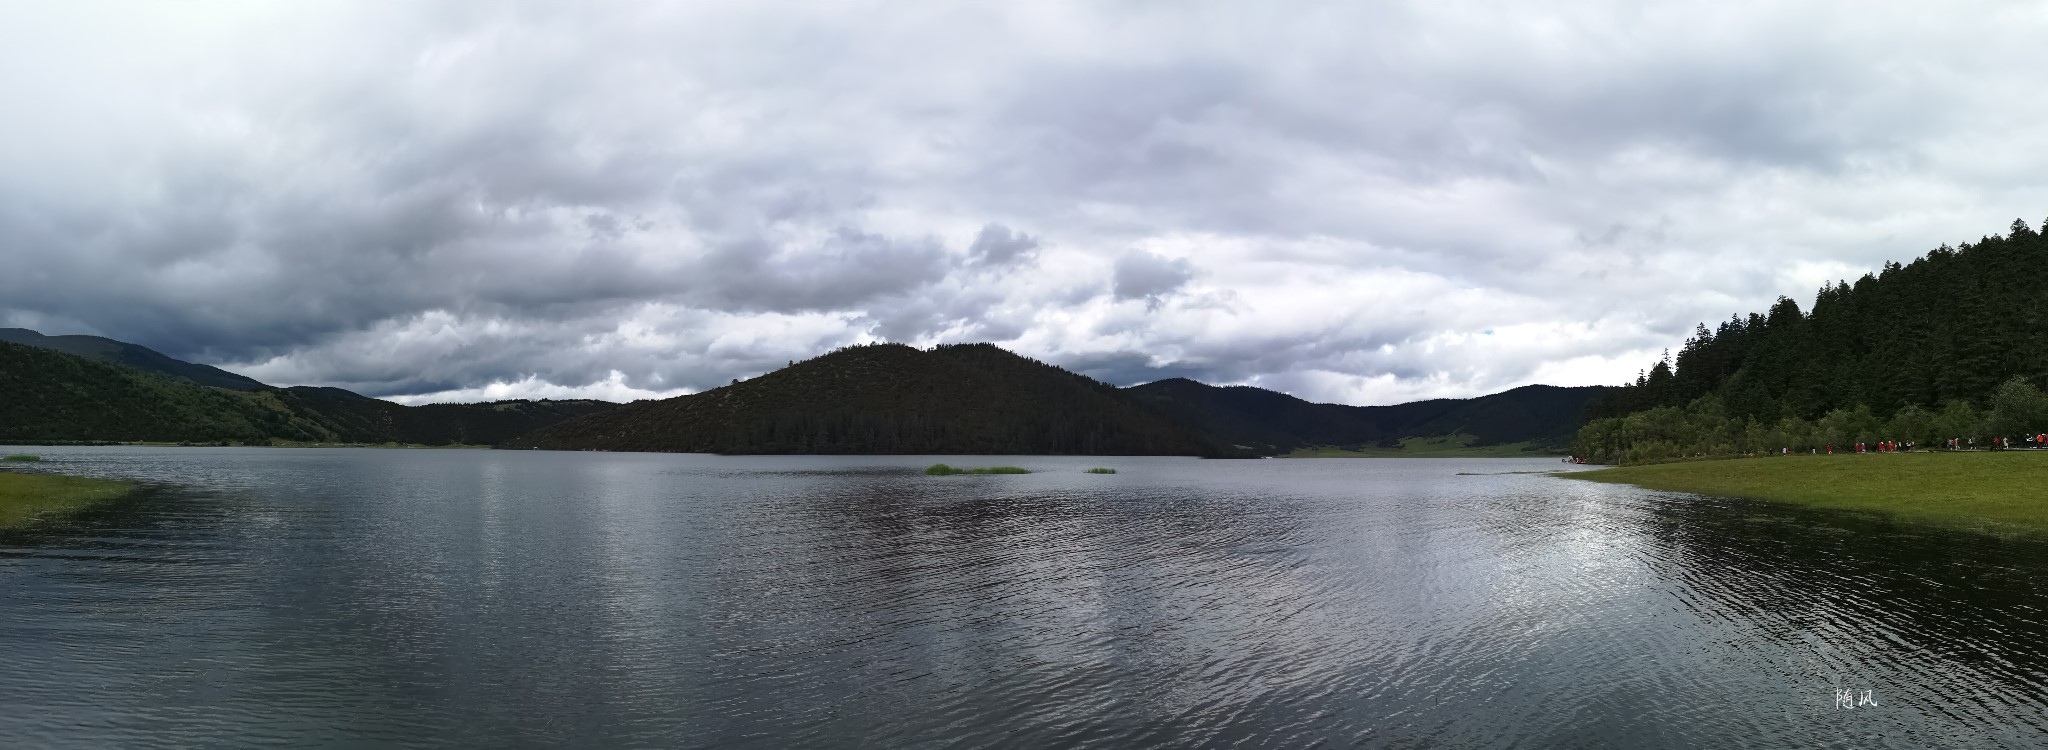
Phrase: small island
(23, 497)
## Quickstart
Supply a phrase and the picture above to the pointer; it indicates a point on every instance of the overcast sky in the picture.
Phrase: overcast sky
(1363, 203)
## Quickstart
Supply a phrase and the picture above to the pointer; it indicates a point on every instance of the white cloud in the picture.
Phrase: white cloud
(612, 388)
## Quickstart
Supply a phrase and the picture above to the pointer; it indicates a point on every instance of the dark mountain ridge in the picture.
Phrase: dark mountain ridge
(981, 399)
(1543, 415)
(53, 396)
(132, 355)
(884, 398)
(892, 399)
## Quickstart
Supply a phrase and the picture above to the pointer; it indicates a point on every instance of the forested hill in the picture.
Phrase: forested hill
(1953, 344)
(53, 396)
(890, 398)
(1545, 416)
(132, 355)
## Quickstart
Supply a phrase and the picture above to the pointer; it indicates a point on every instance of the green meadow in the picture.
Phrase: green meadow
(1997, 492)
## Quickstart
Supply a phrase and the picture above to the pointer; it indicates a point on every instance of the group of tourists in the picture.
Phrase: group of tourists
(2039, 440)
(1882, 446)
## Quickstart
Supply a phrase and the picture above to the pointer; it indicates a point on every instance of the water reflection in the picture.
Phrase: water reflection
(462, 598)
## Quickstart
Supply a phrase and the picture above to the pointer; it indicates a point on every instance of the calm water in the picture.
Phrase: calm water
(477, 598)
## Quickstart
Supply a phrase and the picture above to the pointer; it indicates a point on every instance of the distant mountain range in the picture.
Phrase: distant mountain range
(90, 389)
(980, 399)
(882, 398)
(891, 398)
(1544, 416)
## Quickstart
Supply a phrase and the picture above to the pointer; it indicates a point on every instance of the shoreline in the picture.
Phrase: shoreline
(1996, 492)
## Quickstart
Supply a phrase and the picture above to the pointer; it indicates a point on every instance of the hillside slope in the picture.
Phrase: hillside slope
(891, 399)
(132, 355)
(53, 396)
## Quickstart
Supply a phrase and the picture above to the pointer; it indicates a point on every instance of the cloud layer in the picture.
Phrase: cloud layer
(462, 201)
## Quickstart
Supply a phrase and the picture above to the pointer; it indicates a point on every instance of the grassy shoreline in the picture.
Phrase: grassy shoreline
(1995, 492)
(23, 497)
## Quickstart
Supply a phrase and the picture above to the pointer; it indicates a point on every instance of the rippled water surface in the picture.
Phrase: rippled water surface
(480, 598)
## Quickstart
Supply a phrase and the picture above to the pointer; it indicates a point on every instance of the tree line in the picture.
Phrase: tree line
(1953, 344)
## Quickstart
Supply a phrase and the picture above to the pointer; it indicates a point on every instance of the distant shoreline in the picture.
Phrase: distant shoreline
(1447, 446)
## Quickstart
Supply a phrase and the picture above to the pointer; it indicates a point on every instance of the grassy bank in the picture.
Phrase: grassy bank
(25, 496)
(1445, 446)
(1982, 491)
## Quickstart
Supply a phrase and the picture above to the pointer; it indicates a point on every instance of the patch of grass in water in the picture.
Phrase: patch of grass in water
(22, 458)
(25, 496)
(942, 470)
(1100, 470)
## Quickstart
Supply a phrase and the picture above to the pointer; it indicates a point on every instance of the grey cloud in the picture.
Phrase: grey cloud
(998, 245)
(846, 269)
(1144, 275)
(1125, 369)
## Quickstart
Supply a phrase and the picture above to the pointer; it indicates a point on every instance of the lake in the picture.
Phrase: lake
(355, 597)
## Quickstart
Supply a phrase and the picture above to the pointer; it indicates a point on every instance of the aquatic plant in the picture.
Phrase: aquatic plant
(1100, 470)
(26, 496)
(22, 457)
